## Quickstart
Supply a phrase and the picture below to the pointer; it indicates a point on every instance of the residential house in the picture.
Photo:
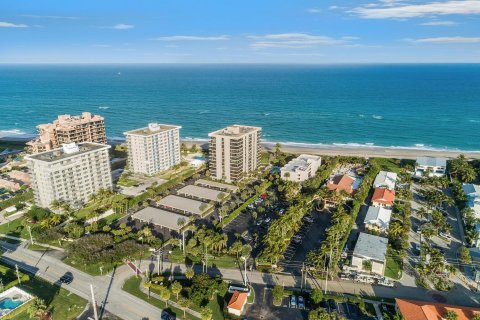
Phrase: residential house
(237, 302)
(342, 183)
(301, 168)
(378, 219)
(369, 253)
(422, 310)
(435, 165)
(472, 191)
(385, 179)
(383, 197)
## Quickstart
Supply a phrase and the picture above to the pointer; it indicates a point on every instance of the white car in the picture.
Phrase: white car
(445, 236)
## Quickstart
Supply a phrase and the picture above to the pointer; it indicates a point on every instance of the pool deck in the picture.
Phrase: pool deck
(15, 294)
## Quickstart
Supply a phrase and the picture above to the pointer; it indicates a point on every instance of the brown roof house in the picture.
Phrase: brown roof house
(341, 183)
(383, 197)
(421, 310)
(237, 302)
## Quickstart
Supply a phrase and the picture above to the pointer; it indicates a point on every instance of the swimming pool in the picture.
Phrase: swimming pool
(10, 303)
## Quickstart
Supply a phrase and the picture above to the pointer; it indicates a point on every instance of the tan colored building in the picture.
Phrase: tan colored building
(23, 177)
(233, 151)
(154, 148)
(68, 129)
(10, 184)
(70, 174)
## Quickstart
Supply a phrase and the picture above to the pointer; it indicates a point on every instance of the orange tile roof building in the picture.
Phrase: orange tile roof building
(341, 182)
(68, 129)
(383, 197)
(421, 310)
(237, 303)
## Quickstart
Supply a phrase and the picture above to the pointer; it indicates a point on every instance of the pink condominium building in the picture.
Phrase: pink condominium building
(68, 129)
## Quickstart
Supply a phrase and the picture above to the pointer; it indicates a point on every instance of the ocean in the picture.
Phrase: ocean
(430, 106)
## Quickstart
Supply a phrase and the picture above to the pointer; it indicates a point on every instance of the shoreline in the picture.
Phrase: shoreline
(323, 149)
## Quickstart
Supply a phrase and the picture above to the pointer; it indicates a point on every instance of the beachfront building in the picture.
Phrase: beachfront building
(383, 197)
(369, 253)
(422, 310)
(154, 148)
(472, 191)
(385, 179)
(378, 219)
(301, 168)
(68, 129)
(234, 151)
(435, 166)
(342, 183)
(70, 174)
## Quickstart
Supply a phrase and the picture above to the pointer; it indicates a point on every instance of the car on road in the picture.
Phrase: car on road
(293, 302)
(308, 219)
(166, 316)
(67, 278)
(332, 304)
(301, 303)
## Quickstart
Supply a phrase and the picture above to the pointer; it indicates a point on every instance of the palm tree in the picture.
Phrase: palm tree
(451, 315)
(176, 288)
(165, 295)
(55, 205)
(422, 213)
(184, 304)
(189, 273)
(395, 229)
(38, 309)
(55, 219)
(206, 314)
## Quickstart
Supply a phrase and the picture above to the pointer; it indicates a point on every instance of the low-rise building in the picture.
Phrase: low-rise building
(477, 232)
(10, 184)
(436, 166)
(385, 179)
(237, 302)
(472, 191)
(422, 310)
(70, 174)
(369, 253)
(23, 177)
(378, 219)
(341, 183)
(383, 197)
(301, 168)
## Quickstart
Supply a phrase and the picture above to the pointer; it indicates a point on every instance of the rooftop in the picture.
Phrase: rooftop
(432, 161)
(235, 130)
(371, 247)
(202, 193)
(184, 204)
(152, 128)
(383, 195)
(385, 179)
(301, 163)
(421, 310)
(67, 151)
(341, 182)
(237, 301)
(160, 217)
(471, 189)
(379, 214)
(218, 185)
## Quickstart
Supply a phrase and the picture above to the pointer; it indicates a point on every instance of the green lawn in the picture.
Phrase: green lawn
(224, 261)
(393, 268)
(93, 269)
(387, 164)
(15, 228)
(132, 286)
(127, 182)
(61, 302)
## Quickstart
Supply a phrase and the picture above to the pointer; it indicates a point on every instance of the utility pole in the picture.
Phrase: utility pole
(94, 304)
(30, 232)
(245, 276)
(158, 262)
(328, 266)
(301, 284)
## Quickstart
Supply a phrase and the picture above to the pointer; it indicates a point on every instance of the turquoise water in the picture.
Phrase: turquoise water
(418, 106)
(10, 304)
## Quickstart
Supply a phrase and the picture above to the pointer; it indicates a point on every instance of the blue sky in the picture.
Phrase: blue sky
(261, 31)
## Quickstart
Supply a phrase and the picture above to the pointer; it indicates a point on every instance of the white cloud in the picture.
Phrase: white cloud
(394, 10)
(446, 40)
(102, 46)
(440, 23)
(194, 38)
(314, 10)
(292, 40)
(122, 26)
(4, 24)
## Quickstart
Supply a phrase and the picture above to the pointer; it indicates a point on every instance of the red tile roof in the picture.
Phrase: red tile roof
(383, 195)
(420, 310)
(340, 183)
(237, 301)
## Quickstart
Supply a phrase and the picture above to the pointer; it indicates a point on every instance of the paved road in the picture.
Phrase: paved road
(107, 288)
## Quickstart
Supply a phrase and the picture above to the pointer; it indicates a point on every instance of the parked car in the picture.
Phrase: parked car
(324, 304)
(297, 239)
(246, 236)
(445, 236)
(259, 222)
(281, 211)
(332, 304)
(416, 249)
(268, 219)
(293, 302)
(301, 303)
(308, 219)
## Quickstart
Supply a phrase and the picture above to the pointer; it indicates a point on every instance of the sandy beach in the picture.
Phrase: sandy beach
(364, 151)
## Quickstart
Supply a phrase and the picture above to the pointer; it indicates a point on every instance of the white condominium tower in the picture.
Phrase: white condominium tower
(70, 174)
(153, 149)
(233, 151)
